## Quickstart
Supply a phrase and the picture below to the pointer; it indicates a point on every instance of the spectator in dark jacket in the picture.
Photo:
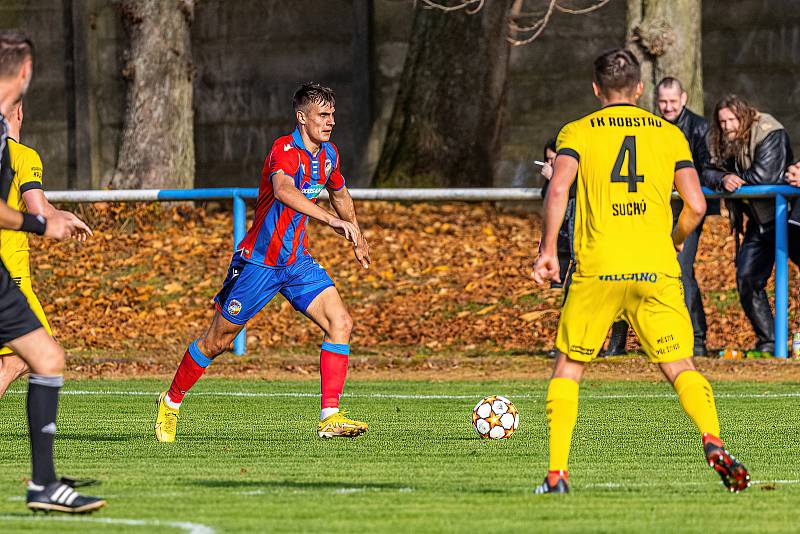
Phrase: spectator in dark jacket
(565, 234)
(793, 178)
(749, 147)
(671, 99)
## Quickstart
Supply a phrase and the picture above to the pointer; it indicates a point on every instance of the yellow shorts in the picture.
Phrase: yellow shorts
(652, 303)
(24, 283)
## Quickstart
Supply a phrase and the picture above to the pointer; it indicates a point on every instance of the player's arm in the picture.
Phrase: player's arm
(694, 204)
(555, 205)
(55, 227)
(286, 193)
(342, 203)
(38, 204)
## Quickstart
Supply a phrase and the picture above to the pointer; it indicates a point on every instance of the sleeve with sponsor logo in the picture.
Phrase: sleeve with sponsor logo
(683, 153)
(335, 180)
(28, 167)
(569, 141)
(283, 158)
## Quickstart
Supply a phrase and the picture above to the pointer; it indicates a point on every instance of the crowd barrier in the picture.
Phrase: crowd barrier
(780, 193)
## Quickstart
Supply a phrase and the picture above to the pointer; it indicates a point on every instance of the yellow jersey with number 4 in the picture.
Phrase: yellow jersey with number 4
(627, 158)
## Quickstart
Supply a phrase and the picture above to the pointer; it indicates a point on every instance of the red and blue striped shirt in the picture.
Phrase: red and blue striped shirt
(278, 234)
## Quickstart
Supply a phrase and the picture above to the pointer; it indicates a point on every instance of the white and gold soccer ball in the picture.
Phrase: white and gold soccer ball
(495, 417)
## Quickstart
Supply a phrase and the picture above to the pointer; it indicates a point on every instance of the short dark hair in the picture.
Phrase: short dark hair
(617, 70)
(668, 82)
(313, 93)
(15, 48)
(550, 145)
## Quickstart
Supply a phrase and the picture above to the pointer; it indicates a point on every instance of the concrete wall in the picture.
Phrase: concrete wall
(251, 59)
(252, 54)
(45, 107)
(754, 51)
(550, 84)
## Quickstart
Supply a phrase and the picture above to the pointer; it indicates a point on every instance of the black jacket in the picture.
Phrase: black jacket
(695, 129)
(772, 156)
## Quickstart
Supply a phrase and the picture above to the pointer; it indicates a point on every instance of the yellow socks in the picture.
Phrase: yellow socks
(562, 412)
(697, 400)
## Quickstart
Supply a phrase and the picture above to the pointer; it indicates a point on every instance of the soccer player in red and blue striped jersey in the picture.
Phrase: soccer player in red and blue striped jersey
(274, 258)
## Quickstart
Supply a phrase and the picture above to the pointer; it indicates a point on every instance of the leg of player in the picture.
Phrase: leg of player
(46, 360)
(330, 313)
(11, 368)
(562, 413)
(697, 400)
(198, 356)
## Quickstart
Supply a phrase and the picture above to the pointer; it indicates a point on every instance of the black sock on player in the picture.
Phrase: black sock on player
(42, 410)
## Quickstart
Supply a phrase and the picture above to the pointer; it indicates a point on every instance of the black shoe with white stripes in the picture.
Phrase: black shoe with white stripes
(61, 497)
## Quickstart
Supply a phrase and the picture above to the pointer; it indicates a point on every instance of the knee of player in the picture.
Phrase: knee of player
(341, 324)
(213, 347)
(52, 360)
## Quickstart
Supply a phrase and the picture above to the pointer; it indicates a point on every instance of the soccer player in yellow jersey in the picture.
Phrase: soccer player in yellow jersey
(26, 195)
(626, 161)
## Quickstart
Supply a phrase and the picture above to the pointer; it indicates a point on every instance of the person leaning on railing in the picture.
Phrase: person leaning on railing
(793, 178)
(749, 147)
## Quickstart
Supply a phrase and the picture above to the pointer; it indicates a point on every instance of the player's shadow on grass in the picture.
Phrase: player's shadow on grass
(294, 484)
(71, 436)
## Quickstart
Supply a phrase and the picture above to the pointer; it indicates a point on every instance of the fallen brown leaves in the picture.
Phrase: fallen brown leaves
(444, 278)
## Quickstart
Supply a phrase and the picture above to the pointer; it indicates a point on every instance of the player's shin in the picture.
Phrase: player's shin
(42, 408)
(697, 400)
(562, 413)
(189, 371)
(333, 361)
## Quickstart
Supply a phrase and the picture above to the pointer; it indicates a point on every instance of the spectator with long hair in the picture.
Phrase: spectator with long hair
(750, 147)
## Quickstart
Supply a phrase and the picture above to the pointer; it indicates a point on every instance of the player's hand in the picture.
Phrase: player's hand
(547, 171)
(546, 268)
(731, 182)
(61, 227)
(361, 250)
(793, 174)
(348, 230)
(83, 232)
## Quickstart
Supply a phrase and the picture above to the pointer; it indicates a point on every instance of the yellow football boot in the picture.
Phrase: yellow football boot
(338, 426)
(166, 422)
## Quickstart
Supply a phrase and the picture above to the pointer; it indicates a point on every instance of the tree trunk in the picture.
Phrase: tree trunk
(666, 36)
(445, 128)
(157, 145)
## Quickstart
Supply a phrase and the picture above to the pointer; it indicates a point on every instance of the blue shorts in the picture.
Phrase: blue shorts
(250, 286)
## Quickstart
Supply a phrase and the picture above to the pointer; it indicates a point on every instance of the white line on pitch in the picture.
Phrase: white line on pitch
(295, 394)
(186, 526)
(626, 485)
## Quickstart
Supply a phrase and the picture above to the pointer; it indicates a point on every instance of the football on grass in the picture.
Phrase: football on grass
(495, 417)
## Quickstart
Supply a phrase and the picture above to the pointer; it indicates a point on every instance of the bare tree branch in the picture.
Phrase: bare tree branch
(583, 11)
(516, 16)
(430, 4)
(540, 25)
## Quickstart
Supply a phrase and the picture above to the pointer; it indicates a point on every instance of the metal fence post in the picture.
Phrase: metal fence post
(781, 276)
(239, 222)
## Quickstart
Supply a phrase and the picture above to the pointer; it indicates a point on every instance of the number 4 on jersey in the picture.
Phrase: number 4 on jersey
(628, 147)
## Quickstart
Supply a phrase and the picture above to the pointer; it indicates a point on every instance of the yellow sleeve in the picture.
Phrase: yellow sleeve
(28, 169)
(683, 154)
(570, 141)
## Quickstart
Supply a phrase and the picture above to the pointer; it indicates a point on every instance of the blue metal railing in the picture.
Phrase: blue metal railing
(781, 193)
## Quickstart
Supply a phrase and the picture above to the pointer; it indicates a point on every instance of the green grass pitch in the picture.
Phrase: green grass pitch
(254, 464)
